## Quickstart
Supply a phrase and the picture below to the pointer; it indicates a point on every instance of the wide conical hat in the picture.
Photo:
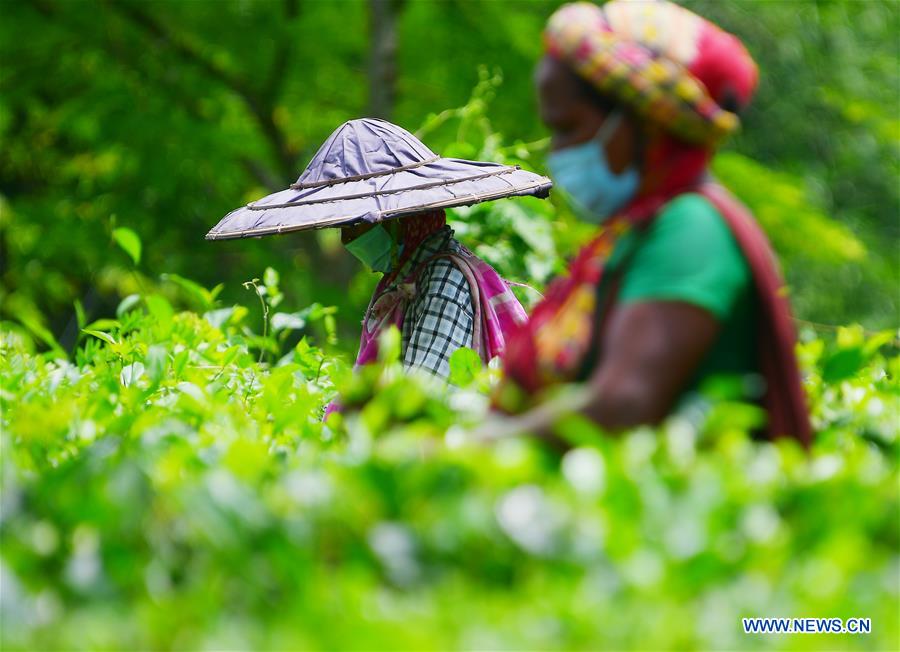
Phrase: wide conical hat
(371, 170)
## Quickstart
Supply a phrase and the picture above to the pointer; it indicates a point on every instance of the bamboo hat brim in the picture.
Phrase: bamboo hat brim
(369, 171)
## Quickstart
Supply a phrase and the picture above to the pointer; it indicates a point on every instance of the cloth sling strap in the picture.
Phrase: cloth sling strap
(607, 295)
(784, 400)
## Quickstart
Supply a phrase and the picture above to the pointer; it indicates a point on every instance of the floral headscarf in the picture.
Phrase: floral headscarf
(666, 63)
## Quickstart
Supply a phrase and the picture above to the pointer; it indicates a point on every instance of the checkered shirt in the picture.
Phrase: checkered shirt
(440, 319)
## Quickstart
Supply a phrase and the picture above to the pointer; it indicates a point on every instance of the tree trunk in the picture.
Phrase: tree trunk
(382, 57)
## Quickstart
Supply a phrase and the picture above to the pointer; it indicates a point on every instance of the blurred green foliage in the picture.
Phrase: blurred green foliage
(161, 117)
(166, 490)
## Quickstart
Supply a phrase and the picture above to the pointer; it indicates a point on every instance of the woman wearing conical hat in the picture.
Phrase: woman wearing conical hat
(680, 285)
(387, 192)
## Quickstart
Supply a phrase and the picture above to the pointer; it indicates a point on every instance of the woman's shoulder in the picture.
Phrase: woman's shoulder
(689, 224)
(440, 275)
(690, 211)
(688, 253)
(440, 261)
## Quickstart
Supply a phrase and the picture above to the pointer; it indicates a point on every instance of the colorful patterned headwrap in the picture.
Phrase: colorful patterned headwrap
(668, 64)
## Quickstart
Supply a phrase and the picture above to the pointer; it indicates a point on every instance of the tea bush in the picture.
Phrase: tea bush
(174, 487)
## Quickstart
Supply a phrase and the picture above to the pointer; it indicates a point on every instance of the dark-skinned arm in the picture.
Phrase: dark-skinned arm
(650, 352)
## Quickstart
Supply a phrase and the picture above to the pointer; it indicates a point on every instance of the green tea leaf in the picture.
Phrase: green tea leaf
(127, 304)
(106, 337)
(465, 364)
(199, 295)
(155, 363)
(270, 278)
(80, 316)
(160, 308)
(131, 373)
(843, 364)
(287, 321)
(129, 241)
(103, 325)
(389, 344)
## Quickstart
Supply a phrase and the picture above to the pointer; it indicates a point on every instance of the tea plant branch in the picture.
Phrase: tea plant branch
(265, 311)
(831, 328)
(319, 370)
(249, 388)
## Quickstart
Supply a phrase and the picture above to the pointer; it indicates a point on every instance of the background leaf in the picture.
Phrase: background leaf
(129, 241)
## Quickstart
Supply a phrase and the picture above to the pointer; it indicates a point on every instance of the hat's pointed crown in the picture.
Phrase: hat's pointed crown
(363, 148)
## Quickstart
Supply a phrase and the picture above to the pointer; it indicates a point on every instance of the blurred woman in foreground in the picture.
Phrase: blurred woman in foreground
(680, 284)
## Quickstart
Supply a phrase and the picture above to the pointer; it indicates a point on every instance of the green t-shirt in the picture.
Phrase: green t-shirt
(689, 254)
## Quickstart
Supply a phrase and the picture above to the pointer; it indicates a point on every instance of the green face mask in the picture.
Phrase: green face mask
(373, 249)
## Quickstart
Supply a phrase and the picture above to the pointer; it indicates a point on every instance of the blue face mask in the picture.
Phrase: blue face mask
(584, 173)
(375, 249)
